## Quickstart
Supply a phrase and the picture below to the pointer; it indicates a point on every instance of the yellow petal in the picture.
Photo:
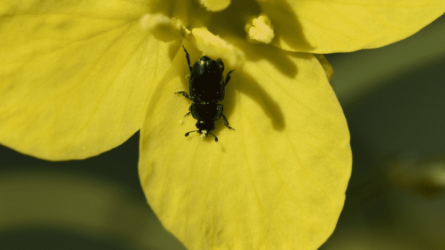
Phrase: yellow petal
(276, 182)
(341, 26)
(74, 75)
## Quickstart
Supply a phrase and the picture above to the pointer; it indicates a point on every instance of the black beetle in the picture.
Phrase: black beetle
(207, 88)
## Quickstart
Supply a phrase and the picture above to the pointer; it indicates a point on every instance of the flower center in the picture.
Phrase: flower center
(215, 47)
(164, 28)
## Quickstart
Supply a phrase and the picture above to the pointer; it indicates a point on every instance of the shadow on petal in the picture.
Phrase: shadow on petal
(251, 88)
(286, 25)
(279, 58)
(255, 88)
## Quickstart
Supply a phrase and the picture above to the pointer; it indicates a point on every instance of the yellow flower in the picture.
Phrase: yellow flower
(79, 77)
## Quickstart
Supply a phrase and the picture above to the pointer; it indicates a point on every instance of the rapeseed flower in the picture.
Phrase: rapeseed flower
(80, 77)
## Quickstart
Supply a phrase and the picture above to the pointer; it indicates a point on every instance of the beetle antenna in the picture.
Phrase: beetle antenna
(216, 138)
(187, 134)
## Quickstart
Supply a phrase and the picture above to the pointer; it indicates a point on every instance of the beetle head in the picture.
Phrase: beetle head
(204, 128)
(205, 125)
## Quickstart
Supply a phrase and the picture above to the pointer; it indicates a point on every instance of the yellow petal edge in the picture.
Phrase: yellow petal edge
(320, 26)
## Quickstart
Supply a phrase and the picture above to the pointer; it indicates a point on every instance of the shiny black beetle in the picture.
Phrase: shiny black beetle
(207, 88)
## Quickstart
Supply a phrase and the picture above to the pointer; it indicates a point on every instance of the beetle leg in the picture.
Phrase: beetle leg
(187, 114)
(184, 94)
(220, 62)
(228, 77)
(188, 58)
(226, 122)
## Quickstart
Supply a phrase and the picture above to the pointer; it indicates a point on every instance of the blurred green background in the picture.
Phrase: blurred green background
(394, 102)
